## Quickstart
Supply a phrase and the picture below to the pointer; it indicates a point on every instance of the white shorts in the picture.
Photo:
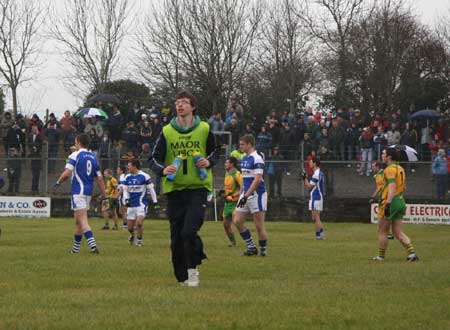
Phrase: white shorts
(80, 202)
(316, 205)
(134, 212)
(255, 203)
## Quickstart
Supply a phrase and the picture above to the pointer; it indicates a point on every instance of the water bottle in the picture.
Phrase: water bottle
(177, 162)
(202, 173)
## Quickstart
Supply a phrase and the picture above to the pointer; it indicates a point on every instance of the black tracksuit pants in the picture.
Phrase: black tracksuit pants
(186, 211)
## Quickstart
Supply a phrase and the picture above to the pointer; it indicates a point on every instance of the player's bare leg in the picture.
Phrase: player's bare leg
(383, 229)
(315, 215)
(139, 230)
(258, 219)
(397, 228)
(82, 228)
(115, 219)
(130, 225)
(229, 230)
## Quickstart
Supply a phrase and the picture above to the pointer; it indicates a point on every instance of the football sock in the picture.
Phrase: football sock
(232, 239)
(139, 241)
(382, 252)
(410, 249)
(89, 235)
(247, 237)
(263, 246)
(76, 243)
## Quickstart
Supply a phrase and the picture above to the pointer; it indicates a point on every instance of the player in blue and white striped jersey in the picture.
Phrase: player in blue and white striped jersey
(122, 208)
(136, 186)
(83, 167)
(316, 195)
(253, 198)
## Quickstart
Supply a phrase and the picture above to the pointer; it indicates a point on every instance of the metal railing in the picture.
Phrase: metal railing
(343, 179)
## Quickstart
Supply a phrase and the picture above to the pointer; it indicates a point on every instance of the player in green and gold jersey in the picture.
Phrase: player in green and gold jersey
(232, 187)
(392, 206)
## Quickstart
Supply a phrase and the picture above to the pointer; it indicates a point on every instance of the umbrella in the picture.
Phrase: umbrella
(425, 115)
(91, 112)
(104, 98)
(406, 153)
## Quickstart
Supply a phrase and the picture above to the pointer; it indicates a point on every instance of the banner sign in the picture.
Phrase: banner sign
(30, 207)
(420, 214)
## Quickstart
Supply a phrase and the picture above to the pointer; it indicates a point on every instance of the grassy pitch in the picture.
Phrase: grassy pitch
(302, 284)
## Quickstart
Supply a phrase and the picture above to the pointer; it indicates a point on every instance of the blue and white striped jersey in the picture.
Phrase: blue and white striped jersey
(317, 181)
(136, 188)
(250, 166)
(85, 168)
(121, 181)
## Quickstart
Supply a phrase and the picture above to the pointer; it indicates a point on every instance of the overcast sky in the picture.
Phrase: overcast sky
(47, 90)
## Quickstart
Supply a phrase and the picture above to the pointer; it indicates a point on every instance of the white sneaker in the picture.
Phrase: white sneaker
(193, 277)
(378, 258)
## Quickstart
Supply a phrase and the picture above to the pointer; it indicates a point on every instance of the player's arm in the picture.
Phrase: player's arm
(240, 183)
(71, 161)
(375, 193)
(392, 187)
(151, 191)
(119, 191)
(158, 158)
(101, 184)
(64, 176)
(309, 184)
(212, 154)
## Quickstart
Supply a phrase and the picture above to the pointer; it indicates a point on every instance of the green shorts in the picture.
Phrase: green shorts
(228, 209)
(113, 203)
(398, 208)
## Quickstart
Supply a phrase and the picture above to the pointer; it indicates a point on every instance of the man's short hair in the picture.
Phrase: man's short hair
(233, 160)
(107, 170)
(316, 161)
(83, 140)
(135, 163)
(393, 152)
(248, 138)
(123, 169)
(377, 164)
(185, 94)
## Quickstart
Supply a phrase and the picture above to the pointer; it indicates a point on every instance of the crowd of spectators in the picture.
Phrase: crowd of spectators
(343, 135)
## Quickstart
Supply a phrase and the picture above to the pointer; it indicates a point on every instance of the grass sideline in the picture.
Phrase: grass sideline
(302, 284)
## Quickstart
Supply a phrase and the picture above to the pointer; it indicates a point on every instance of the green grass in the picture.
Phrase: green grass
(302, 284)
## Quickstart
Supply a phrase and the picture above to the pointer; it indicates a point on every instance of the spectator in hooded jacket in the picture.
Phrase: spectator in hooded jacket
(263, 141)
(366, 145)
(52, 134)
(439, 169)
(114, 124)
(131, 136)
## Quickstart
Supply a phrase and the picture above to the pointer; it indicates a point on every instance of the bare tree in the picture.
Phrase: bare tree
(442, 30)
(205, 44)
(20, 41)
(391, 51)
(331, 22)
(91, 33)
(286, 57)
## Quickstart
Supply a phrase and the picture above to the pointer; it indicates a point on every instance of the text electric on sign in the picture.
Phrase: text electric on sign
(420, 213)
